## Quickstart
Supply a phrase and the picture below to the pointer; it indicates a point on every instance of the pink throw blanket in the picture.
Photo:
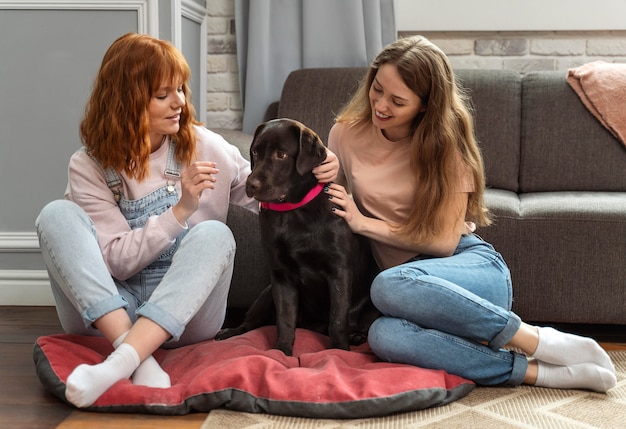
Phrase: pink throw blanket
(602, 88)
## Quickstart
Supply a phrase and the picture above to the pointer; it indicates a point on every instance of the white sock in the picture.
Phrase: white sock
(559, 348)
(580, 376)
(88, 382)
(149, 373)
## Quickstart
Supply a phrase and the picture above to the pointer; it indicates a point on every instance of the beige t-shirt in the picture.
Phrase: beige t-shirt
(378, 173)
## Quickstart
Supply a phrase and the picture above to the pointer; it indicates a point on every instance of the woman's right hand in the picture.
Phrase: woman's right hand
(345, 206)
(200, 175)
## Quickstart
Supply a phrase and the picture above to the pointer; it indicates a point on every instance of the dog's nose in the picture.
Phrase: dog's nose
(252, 185)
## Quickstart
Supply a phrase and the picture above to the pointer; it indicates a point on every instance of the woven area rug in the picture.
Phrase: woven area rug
(484, 408)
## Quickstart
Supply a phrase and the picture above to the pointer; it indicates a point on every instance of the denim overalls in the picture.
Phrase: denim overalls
(137, 213)
(184, 290)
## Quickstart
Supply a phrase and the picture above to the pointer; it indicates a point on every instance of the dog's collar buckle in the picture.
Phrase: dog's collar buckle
(284, 207)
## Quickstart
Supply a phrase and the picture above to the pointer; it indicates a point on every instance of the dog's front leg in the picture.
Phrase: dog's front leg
(340, 297)
(260, 314)
(286, 302)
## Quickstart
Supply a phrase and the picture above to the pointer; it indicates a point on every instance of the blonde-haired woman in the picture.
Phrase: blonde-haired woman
(412, 181)
(138, 251)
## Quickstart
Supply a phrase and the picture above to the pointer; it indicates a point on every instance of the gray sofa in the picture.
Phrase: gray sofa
(556, 184)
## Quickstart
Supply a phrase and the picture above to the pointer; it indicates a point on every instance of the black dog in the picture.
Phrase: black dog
(320, 271)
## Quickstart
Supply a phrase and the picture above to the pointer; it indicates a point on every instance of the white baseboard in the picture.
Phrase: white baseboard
(25, 287)
(19, 242)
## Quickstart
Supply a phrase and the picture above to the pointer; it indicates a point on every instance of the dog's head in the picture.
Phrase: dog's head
(282, 154)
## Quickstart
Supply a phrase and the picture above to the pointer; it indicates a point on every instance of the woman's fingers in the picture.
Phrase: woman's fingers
(198, 177)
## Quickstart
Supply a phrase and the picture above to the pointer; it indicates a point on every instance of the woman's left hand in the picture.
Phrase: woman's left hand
(327, 171)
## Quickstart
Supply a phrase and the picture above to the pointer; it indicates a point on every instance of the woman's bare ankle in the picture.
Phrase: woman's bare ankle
(526, 339)
(531, 373)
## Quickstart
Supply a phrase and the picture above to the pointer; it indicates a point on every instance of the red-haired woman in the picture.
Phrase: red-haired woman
(138, 251)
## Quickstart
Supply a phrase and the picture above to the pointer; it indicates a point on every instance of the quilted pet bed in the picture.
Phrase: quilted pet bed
(245, 374)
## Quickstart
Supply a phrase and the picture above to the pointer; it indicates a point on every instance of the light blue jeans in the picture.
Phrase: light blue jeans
(450, 313)
(187, 296)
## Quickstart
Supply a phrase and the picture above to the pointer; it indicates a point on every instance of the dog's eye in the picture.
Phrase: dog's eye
(281, 155)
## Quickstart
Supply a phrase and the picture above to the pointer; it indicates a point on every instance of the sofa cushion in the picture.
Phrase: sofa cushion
(564, 147)
(314, 96)
(251, 273)
(503, 233)
(236, 138)
(560, 247)
(572, 247)
(496, 96)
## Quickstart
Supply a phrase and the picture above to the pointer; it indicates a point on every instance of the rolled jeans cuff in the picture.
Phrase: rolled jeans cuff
(504, 337)
(162, 318)
(105, 306)
(520, 366)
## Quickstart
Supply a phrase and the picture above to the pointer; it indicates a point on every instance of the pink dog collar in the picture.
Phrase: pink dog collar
(284, 207)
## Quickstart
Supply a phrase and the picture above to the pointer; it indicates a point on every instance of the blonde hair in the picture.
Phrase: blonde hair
(116, 127)
(441, 132)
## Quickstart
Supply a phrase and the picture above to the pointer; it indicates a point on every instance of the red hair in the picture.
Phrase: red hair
(116, 127)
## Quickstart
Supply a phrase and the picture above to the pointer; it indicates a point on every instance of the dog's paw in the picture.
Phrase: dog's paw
(339, 344)
(285, 348)
(227, 333)
(357, 338)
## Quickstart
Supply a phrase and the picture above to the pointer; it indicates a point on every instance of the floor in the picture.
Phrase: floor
(25, 404)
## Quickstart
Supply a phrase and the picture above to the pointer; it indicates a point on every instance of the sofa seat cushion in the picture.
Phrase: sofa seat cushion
(567, 242)
(573, 245)
(245, 373)
(579, 206)
(576, 206)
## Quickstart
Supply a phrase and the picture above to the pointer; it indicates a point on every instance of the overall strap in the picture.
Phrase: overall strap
(114, 182)
(172, 169)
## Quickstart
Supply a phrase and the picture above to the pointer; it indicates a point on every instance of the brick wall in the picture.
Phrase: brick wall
(224, 108)
(521, 51)
(529, 51)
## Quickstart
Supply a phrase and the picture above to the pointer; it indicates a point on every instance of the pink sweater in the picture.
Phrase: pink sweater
(128, 251)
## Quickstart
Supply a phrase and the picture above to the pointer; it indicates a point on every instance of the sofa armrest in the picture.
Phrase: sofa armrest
(272, 111)
(237, 138)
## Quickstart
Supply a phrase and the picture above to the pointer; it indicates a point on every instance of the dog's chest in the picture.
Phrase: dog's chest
(292, 229)
(305, 237)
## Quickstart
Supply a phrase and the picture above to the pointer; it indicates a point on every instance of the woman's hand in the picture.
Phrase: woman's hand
(346, 207)
(441, 245)
(327, 171)
(194, 180)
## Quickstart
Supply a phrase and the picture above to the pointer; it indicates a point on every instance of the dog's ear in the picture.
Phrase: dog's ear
(312, 151)
(257, 132)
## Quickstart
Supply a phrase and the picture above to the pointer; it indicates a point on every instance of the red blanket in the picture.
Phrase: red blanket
(244, 373)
